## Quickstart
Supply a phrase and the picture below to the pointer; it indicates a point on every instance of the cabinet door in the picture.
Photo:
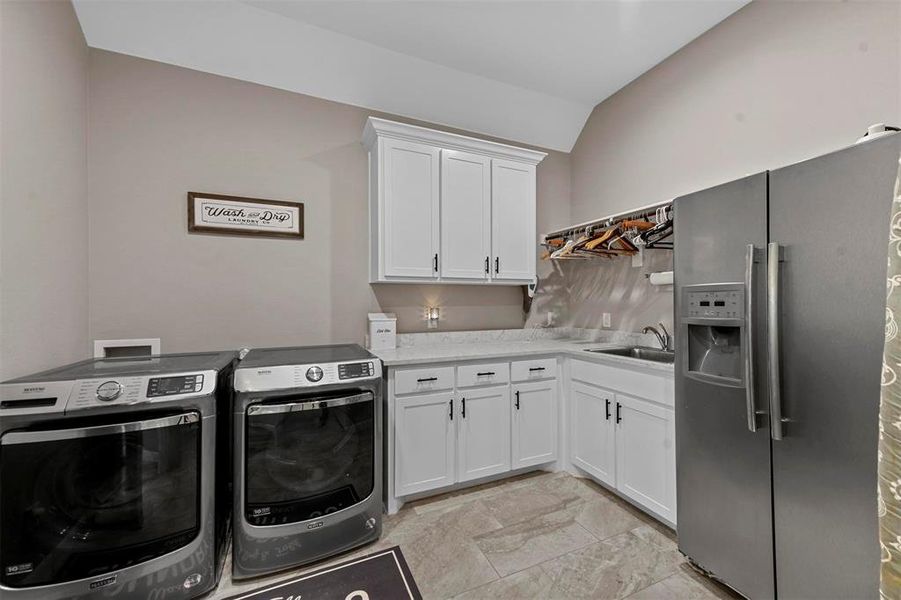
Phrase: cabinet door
(410, 188)
(646, 455)
(592, 438)
(513, 231)
(483, 436)
(423, 443)
(465, 215)
(534, 423)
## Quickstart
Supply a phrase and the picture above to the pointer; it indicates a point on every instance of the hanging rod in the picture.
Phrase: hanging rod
(635, 213)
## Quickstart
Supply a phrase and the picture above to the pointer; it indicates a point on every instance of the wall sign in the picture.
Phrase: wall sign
(233, 215)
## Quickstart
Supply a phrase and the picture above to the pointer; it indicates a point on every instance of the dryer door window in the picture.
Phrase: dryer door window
(85, 501)
(306, 458)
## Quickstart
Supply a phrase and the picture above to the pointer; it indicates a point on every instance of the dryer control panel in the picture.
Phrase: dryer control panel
(280, 377)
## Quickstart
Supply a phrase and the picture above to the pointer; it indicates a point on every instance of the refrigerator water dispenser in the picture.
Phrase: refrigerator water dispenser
(715, 350)
(713, 320)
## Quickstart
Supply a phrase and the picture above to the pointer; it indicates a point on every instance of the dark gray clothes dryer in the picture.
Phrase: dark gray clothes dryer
(308, 455)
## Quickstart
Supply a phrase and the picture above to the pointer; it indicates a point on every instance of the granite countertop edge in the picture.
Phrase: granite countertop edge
(476, 351)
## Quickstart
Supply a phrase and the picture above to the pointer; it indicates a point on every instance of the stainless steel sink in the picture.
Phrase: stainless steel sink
(640, 352)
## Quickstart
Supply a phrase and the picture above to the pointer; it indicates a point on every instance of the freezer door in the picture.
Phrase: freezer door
(723, 468)
(830, 215)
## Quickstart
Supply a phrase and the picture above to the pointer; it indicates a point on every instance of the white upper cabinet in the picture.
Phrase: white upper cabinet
(449, 208)
(513, 230)
(411, 224)
(465, 215)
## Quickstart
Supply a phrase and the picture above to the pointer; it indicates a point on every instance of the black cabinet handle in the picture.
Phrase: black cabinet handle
(451, 403)
(536, 369)
(463, 402)
(484, 373)
(427, 379)
(497, 264)
(618, 416)
(517, 399)
(487, 263)
(436, 262)
(607, 409)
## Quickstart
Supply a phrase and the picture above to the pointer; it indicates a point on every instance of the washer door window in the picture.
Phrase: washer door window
(86, 501)
(309, 458)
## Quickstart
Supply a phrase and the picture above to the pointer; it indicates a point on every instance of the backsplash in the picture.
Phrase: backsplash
(407, 340)
(578, 292)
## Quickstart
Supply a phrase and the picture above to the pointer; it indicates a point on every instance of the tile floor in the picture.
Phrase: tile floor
(541, 535)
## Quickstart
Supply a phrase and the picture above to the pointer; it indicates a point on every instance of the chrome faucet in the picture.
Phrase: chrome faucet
(662, 338)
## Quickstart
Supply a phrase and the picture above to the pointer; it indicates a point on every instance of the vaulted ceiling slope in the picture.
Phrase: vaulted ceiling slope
(527, 71)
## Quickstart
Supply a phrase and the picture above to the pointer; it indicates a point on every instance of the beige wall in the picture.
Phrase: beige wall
(774, 83)
(43, 189)
(157, 131)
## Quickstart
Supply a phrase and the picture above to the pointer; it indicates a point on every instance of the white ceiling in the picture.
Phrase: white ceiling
(524, 70)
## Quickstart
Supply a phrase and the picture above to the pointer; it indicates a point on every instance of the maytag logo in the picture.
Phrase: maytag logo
(103, 582)
(259, 512)
(34, 389)
(315, 525)
(264, 372)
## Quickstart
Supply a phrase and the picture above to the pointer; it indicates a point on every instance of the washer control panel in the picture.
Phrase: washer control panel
(87, 393)
(314, 374)
(168, 386)
(355, 370)
(91, 393)
(109, 391)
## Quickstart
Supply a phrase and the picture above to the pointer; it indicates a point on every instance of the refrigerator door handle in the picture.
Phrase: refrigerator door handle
(749, 339)
(774, 256)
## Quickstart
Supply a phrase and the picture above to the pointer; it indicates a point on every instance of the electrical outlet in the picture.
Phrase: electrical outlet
(606, 320)
(638, 258)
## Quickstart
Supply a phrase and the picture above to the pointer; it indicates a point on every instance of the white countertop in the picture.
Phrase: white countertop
(493, 349)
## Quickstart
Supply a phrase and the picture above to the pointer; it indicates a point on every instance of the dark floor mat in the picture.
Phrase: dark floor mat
(378, 576)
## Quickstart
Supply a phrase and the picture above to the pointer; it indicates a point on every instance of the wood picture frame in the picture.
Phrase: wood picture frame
(236, 215)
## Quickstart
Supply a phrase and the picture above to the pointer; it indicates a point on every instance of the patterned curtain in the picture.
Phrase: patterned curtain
(889, 504)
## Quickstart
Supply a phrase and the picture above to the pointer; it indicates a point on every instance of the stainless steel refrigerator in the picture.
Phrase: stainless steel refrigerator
(780, 283)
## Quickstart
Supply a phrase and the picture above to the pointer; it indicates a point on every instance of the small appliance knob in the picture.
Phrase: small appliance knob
(109, 391)
(314, 374)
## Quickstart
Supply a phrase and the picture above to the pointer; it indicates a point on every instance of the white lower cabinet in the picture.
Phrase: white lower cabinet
(483, 432)
(481, 426)
(646, 455)
(593, 437)
(623, 441)
(485, 419)
(424, 442)
(534, 423)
